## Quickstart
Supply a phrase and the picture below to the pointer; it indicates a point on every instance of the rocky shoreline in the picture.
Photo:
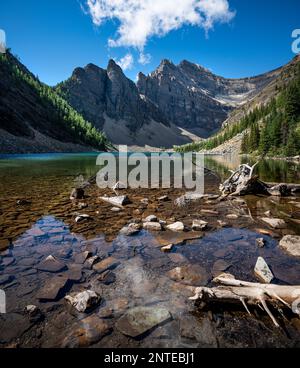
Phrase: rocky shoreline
(105, 258)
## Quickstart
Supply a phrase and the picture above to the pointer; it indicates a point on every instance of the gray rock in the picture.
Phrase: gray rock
(260, 242)
(138, 321)
(53, 289)
(118, 201)
(275, 223)
(106, 264)
(82, 257)
(151, 218)
(77, 193)
(87, 332)
(91, 261)
(262, 271)
(199, 225)
(176, 227)
(51, 264)
(130, 230)
(83, 301)
(291, 244)
(152, 226)
(83, 217)
(191, 274)
(219, 267)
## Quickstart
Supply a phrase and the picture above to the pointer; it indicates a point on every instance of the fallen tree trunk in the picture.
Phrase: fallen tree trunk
(249, 293)
(243, 182)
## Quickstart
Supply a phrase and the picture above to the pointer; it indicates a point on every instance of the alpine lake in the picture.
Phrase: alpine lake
(143, 280)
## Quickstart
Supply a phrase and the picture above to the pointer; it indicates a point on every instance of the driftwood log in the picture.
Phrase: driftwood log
(249, 293)
(243, 182)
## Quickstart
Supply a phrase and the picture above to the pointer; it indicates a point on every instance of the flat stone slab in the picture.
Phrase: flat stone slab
(87, 332)
(262, 271)
(105, 265)
(52, 288)
(219, 267)
(138, 321)
(118, 201)
(274, 223)
(291, 244)
(51, 264)
(192, 274)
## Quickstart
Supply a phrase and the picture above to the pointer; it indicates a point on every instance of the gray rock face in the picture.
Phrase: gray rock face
(194, 98)
(94, 92)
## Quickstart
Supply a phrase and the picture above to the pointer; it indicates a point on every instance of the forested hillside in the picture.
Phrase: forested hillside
(30, 109)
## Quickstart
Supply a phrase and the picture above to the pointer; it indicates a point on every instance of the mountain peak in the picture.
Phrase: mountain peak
(113, 66)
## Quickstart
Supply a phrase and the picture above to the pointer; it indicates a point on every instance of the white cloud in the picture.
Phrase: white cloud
(144, 58)
(126, 63)
(141, 19)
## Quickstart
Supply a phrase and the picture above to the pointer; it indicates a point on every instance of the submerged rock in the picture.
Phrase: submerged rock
(260, 242)
(138, 321)
(177, 226)
(130, 230)
(275, 223)
(193, 275)
(152, 226)
(291, 244)
(53, 288)
(262, 271)
(105, 265)
(87, 332)
(107, 278)
(83, 301)
(199, 225)
(51, 264)
(219, 267)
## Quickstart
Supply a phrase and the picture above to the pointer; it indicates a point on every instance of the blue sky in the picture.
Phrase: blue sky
(52, 37)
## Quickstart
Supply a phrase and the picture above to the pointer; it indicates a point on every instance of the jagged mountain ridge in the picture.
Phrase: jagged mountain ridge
(113, 103)
(193, 98)
(171, 106)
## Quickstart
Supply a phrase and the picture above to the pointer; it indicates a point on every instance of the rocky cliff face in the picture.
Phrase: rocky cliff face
(113, 104)
(97, 93)
(193, 98)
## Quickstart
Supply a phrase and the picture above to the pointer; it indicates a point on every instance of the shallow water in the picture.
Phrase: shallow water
(141, 276)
